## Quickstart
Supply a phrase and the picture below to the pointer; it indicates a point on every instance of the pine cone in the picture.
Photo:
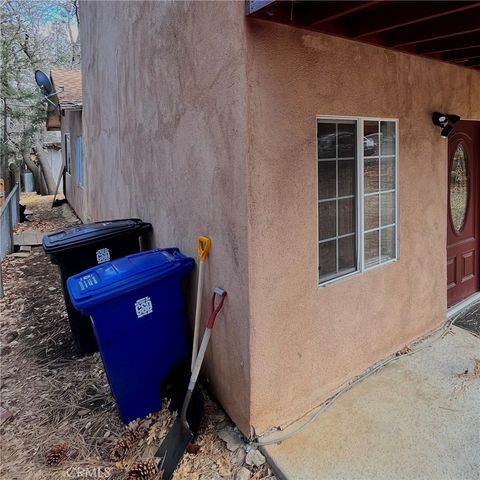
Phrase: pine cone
(57, 454)
(140, 432)
(143, 471)
(122, 445)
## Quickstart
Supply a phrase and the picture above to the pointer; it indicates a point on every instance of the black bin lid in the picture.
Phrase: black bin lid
(90, 233)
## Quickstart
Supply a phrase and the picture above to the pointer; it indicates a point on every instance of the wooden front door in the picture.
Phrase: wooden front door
(463, 230)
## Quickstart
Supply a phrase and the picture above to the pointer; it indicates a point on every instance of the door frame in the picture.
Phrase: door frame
(464, 303)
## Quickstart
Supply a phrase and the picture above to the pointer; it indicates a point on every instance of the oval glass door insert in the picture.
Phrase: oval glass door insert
(459, 189)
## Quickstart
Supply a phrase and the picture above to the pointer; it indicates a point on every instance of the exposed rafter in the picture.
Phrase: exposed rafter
(458, 42)
(444, 27)
(443, 30)
(392, 15)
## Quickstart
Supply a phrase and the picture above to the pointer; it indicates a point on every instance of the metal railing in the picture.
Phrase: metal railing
(9, 217)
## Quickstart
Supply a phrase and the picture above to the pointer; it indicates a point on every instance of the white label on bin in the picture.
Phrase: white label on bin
(103, 255)
(87, 281)
(143, 306)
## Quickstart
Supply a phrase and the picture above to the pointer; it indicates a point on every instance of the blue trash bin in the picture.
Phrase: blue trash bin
(137, 308)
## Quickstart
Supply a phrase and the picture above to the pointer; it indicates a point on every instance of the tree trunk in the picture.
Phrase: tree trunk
(46, 170)
(44, 188)
(34, 169)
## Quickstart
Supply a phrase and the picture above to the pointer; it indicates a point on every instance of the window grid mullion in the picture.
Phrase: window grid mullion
(370, 194)
(332, 159)
(336, 195)
(379, 195)
(331, 239)
(346, 197)
(361, 168)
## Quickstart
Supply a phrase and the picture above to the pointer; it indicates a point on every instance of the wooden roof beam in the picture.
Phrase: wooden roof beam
(317, 13)
(285, 12)
(447, 26)
(394, 14)
(473, 62)
(459, 55)
(458, 42)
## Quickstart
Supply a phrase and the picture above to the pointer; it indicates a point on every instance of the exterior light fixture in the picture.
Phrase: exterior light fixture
(453, 118)
(443, 121)
(446, 130)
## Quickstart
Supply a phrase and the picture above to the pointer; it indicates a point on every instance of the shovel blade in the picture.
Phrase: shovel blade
(178, 438)
(172, 448)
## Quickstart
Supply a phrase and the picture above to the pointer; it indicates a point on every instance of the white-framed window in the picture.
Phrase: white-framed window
(67, 153)
(79, 161)
(357, 164)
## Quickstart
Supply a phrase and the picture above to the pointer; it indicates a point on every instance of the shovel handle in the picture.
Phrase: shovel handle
(206, 337)
(203, 247)
(201, 353)
(215, 309)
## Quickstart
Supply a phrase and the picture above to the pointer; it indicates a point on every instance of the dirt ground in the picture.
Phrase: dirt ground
(58, 419)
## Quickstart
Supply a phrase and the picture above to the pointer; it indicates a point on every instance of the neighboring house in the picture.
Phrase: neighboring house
(312, 163)
(67, 118)
(53, 145)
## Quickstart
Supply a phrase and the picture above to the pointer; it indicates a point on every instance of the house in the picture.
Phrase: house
(299, 138)
(67, 117)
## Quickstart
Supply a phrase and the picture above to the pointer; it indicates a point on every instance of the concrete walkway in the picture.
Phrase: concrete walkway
(416, 419)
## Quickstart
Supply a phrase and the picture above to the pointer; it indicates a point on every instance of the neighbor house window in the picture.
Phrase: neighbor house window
(67, 153)
(357, 195)
(79, 161)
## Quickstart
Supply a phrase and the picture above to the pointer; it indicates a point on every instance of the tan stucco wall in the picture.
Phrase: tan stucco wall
(165, 133)
(203, 122)
(76, 195)
(306, 341)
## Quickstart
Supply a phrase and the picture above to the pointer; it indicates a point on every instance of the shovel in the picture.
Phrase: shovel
(185, 427)
(175, 384)
(203, 247)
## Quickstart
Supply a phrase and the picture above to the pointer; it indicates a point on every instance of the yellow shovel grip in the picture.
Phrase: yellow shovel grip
(203, 247)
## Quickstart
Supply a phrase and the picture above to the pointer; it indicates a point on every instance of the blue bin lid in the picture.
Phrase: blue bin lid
(113, 279)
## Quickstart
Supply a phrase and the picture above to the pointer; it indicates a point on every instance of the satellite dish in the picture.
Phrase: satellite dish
(43, 82)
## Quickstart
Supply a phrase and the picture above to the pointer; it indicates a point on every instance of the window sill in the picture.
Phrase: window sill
(348, 276)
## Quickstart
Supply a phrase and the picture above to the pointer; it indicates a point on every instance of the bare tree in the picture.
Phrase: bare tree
(34, 35)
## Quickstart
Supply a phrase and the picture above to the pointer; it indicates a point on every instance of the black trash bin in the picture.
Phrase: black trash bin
(84, 246)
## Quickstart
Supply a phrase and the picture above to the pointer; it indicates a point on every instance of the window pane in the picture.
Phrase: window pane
(388, 244)
(370, 175)
(371, 244)
(346, 216)
(327, 179)
(346, 253)
(387, 173)
(346, 140)
(346, 178)
(387, 135)
(370, 139)
(371, 212)
(327, 140)
(388, 208)
(459, 187)
(327, 220)
(327, 255)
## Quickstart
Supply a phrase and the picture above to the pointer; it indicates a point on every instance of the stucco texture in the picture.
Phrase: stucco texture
(164, 118)
(202, 121)
(306, 341)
